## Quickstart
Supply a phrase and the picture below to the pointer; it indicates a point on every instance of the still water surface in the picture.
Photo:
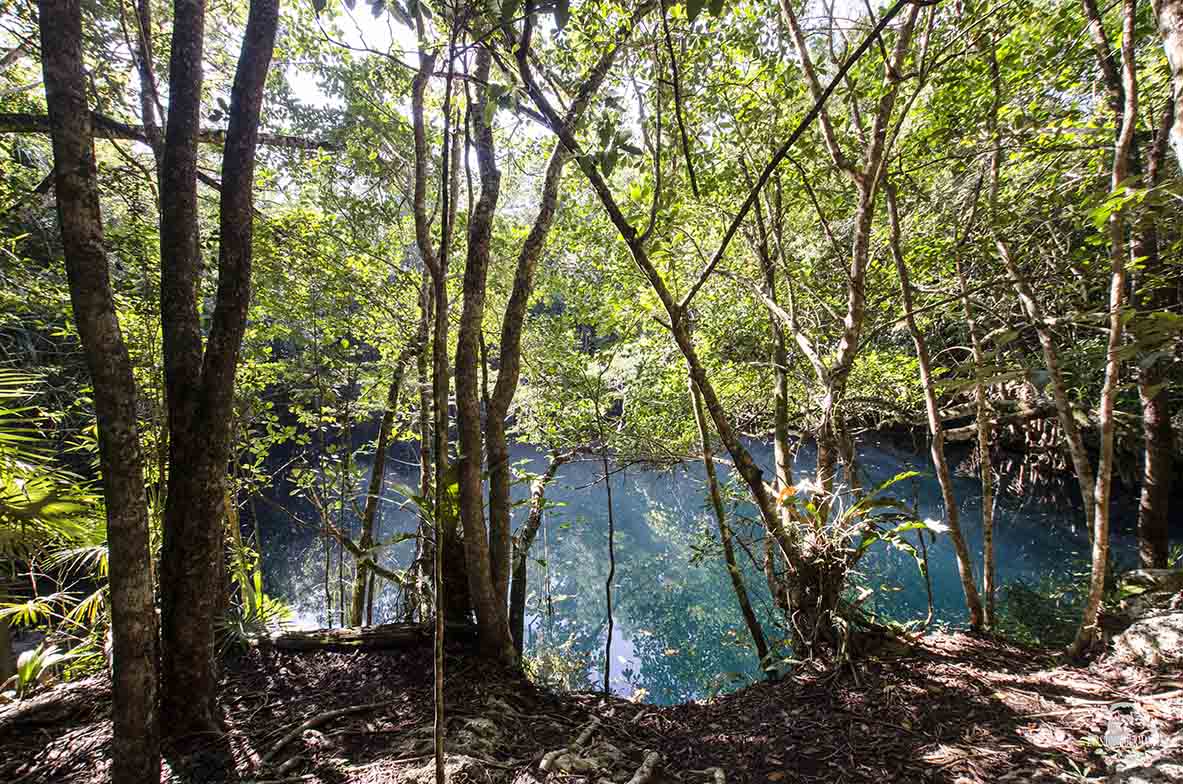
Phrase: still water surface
(678, 634)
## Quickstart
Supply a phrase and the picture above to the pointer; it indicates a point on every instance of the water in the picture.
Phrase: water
(678, 633)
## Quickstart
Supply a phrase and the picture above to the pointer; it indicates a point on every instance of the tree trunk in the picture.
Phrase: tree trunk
(149, 97)
(986, 464)
(513, 322)
(733, 572)
(423, 569)
(522, 542)
(374, 494)
(810, 590)
(136, 745)
(200, 385)
(1051, 360)
(453, 601)
(782, 454)
(1155, 291)
(487, 573)
(509, 370)
(1087, 632)
(936, 429)
(1170, 26)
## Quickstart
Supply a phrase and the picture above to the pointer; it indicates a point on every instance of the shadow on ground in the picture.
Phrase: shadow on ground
(957, 709)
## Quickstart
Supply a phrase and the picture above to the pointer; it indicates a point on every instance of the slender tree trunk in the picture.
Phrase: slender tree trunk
(487, 551)
(936, 429)
(611, 577)
(1155, 291)
(782, 453)
(725, 536)
(424, 567)
(149, 97)
(509, 370)
(522, 542)
(377, 482)
(201, 384)
(1051, 360)
(813, 595)
(513, 322)
(136, 746)
(1087, 632)
(986, 462)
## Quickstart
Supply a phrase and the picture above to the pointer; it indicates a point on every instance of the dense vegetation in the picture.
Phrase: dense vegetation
(236, 237)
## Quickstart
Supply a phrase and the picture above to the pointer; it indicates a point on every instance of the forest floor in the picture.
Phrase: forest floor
(956, 709)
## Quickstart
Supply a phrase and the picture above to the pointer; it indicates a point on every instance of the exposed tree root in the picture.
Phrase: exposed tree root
(648, 769)
(548, 759)
(316, 721)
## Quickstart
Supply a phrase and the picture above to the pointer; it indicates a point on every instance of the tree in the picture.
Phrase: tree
(136, 753)
(199, 374)
(1169, 14)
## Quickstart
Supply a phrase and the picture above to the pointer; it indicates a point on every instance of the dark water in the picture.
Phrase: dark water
(678, 633)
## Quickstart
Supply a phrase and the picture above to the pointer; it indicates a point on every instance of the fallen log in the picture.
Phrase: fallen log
(369, 638)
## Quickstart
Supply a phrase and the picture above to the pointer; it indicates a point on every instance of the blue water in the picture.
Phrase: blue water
(678, 633)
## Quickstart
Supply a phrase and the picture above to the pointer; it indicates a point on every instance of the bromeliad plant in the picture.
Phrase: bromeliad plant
(832, 539)
(34, 668)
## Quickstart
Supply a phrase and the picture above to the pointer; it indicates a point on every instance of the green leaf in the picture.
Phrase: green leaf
(562, 13)
(319, 5)
(694, 8)
(716, 7)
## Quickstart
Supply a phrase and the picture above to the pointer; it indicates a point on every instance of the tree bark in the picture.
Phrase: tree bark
(984, 430)
(453, 601)
(200, 383)
(487, 551)
(1170, 26)
(374, 494)
(424, 566)
(522, 542)
(136, 746)
(1088, 630)
(1051, 359)
(936, 430)
(1155, 291)
(733, 572)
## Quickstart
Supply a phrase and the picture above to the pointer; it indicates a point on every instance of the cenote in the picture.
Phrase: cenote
(678, 633)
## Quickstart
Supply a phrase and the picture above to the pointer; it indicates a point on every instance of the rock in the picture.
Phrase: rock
(1152, 767)
(1150, 592)
(570, 762)
(1154, 579)
(1155, 641)
(477, 735)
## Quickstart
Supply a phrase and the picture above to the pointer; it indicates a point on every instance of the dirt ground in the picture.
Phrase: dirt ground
(958, 709)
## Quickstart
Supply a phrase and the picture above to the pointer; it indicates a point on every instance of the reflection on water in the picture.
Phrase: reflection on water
(678, 632)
